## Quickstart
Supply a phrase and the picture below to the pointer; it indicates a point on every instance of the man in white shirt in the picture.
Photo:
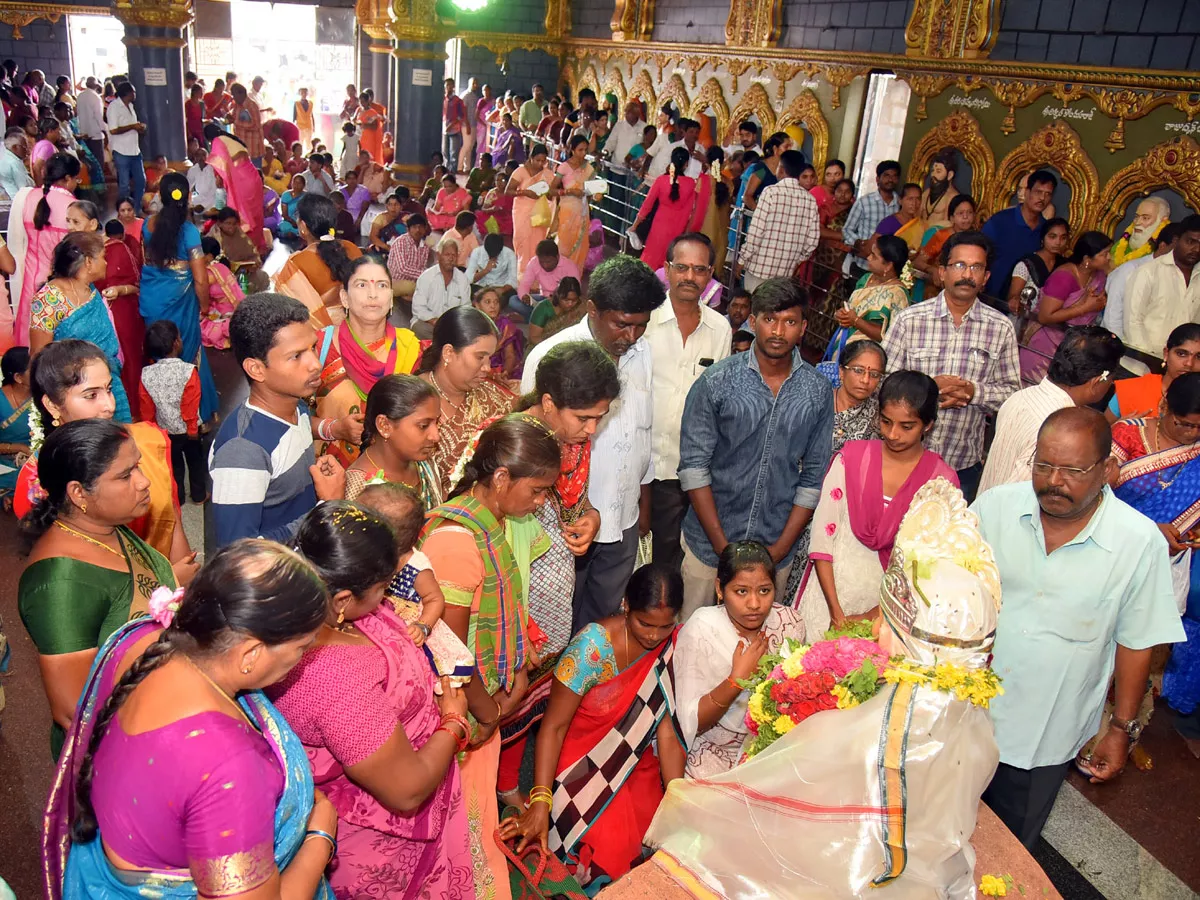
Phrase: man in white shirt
(202, 179)
(316, 179)
(89, 113)
(747, 139)
(13, 153)
(124, 131)
(1080, 374)
(685, 337)
(491, 264)
(691, 140)
(1119, 279)
(441, 287)
(624, 293)
(258, 95)
(626, 133)
(1165, 292)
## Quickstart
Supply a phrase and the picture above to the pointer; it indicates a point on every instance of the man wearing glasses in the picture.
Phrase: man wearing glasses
(784, 230)
(685, 337)
(1087, 594)
(967, 347)
(1016, 232)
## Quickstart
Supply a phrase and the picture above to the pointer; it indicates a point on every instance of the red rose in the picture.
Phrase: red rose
(804, 709)
(827, 701)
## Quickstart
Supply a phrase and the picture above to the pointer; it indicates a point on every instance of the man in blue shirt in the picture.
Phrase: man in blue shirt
(1016, 232)
(754, 444)
(1086, 595)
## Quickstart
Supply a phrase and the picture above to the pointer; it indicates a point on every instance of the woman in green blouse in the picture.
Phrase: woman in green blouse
(87, 573)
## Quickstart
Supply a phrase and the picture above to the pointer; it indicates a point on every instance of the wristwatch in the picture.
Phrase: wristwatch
(1131, 727)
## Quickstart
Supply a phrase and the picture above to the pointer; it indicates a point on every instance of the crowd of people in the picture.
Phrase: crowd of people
(490, 484)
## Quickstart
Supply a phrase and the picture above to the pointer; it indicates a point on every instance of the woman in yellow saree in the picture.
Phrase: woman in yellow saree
(906, 222)
(572, 219)
(361, 349)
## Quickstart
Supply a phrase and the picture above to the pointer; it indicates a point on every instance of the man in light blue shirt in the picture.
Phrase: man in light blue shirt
(13, 174)
(623, 292)
(492, 265)
(866, 214)
(1086, 595)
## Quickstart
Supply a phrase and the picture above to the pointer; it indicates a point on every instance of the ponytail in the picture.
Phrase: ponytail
(319, 216)
(679, 163)
(59, 167)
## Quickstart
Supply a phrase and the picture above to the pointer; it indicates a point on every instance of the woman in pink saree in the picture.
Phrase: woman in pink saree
(243, 185)
(572, 218)
(1072, 295)
(526, 235)
(449, 202)
(381, 745)
(43, 222)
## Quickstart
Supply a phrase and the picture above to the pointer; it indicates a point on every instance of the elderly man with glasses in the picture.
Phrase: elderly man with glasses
(685, 336)
(1087, 595)
(967, 347)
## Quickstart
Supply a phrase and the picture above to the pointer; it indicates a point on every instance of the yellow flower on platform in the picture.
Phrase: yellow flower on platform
(993, 886)
(784, 724)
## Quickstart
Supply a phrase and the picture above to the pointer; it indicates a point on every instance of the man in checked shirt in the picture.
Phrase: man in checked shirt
(967, 347)
(784, 229)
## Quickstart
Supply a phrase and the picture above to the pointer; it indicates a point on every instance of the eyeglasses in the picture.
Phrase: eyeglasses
(684, 268)
(1181, 425)
(974, 268)
(862, 371)
(1045, 470)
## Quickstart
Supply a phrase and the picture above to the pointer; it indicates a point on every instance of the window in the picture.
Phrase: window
(884, 113)
(96, 47)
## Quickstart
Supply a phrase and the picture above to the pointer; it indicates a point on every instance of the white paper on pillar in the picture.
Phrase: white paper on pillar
(423, 77)
(155, 77)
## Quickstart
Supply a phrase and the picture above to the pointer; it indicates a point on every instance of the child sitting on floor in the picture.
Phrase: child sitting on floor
(414, 591)
(224, 295)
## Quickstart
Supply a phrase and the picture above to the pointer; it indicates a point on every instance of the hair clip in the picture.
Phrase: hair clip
(1104, 375)
(177, 194)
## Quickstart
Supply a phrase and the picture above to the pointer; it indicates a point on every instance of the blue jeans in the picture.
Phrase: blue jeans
(131, 178)
(451, 147)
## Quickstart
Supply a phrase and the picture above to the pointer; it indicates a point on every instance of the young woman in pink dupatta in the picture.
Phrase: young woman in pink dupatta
(42, 225)
(866, 493)
(380, 743)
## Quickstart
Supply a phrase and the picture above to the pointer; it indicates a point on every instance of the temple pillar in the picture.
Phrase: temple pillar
(418, 66)
(154, 42)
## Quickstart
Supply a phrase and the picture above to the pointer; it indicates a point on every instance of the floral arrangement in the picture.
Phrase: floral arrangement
(840, 672)
(996, 885)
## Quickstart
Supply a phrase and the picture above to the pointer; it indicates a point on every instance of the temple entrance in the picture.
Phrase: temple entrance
(96, 47)
(884, 113)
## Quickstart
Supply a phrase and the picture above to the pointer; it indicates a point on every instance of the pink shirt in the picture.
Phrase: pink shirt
(547, 282)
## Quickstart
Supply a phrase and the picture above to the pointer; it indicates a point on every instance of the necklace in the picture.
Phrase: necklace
(91, 540)
(433, 379)
(1158, 449)
(625, 631)
(220, 690)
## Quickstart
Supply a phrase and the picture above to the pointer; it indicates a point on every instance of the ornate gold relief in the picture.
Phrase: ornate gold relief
(1057, 145)
(755, 102)
(1013, 94)
(643, 89)
(615, 84)
(417, 20)
(1173, 164)
(952, 29)
(589, 79)
(754, 23)
(633, 20)
(839, 77)
(712, 95)
(675, 90)
(961, 131)
(373, 17)
(143, 13)
(736, 69)
(924, 86)
(500, 44)
(1188, 104)
(805, 110)
(1121, 105)
(18, 15)
(558, 18)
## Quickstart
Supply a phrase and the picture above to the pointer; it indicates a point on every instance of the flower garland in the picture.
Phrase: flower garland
(37, 434)
(842, 672)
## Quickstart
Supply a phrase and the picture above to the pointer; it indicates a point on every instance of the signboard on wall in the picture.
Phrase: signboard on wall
(423, 77)
(155, 77)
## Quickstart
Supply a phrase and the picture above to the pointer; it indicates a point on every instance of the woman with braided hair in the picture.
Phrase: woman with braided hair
(317, 275)
(198, 786)
(681, 207)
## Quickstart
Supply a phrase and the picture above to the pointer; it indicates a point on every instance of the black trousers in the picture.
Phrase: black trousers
(1023, 798)
(601, 576)
(668, 505)
(189, 449)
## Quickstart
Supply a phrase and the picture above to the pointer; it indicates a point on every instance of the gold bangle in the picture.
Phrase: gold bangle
(718, 703)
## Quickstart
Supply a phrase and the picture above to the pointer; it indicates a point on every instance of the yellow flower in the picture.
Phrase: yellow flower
(845, 699)
(791, 666)
(755, 706)
(176, 194)
(993, 886)
(784, 724)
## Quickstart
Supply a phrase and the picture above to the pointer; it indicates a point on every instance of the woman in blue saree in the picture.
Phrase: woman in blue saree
(69, 306)
(15, 403)
(231, 807)
(1160, 478)
(175, 280)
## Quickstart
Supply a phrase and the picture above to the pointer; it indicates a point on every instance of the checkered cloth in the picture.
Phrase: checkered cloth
(865, 215)
(583, 791)
(784, 231)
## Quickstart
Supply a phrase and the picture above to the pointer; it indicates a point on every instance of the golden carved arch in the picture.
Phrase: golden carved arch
(1173, 164)
(1055, 145)
(643, 89)
(805, 110)
(711, 94)
(675, 90)
(615, 84)
(961, 131)
(588, 79)
(755, 102)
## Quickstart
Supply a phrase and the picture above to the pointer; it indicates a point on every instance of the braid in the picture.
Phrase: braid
(470, 477)
(85, 827)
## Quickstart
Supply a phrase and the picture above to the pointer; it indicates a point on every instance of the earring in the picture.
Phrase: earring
(83, 508)
(54, 421)
(341, 616)
(245, 670)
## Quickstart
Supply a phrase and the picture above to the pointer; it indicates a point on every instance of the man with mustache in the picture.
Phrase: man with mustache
(685, 337)
(935, 199)
(623, 293)
(1151, 215)
(756, 438)
(1016, 232)
(1165, 292)
(967, 347)
(1087, 595)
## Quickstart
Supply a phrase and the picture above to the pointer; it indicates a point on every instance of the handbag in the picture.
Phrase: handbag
(547, 880)
(540, 215)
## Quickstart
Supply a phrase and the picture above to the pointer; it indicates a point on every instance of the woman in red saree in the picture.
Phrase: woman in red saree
(119, 288)
(615, 679)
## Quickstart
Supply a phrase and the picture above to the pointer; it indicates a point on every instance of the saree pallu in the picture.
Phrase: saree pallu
(876, 303)
(608, 784)
(82, 870)
(571, 219)
(306, 278)
(344, 387)
(124, 270)
(92, 322)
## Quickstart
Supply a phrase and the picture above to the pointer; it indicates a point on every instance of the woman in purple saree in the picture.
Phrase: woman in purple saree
(379, 742)
(230, 808)
(866, 492)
